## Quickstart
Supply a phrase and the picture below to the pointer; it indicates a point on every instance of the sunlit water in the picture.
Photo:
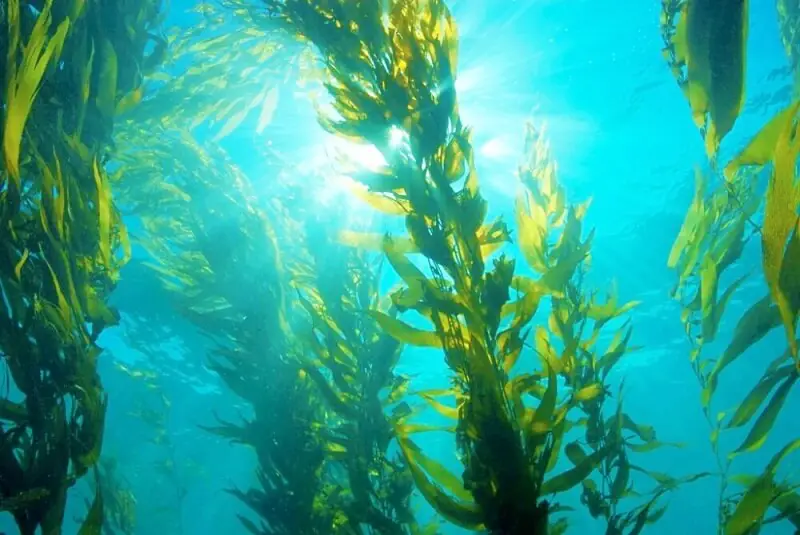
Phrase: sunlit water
(591, 72)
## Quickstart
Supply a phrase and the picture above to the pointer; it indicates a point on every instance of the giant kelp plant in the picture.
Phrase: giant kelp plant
(217, 254)
(66, 75)
(577, 321)
(353, 363)
(719, 225)
(392, 69)
(298, 322)
(218, 258)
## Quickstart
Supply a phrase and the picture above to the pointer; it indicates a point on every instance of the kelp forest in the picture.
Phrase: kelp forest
(217, 321)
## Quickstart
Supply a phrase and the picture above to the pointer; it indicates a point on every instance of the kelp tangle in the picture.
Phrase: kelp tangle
(66, 76)
(393, 70)
(718, 227)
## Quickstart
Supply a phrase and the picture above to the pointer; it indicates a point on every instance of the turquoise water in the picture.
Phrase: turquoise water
(621, 133)
(591, 73)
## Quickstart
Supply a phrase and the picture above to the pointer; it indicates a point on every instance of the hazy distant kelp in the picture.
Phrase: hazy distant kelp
(718, 226)
(168, 471)
(391, 74)
(352, 362)
(216, 75)
(119, 503)
(216, 255)
(62, 234)
(789, 20)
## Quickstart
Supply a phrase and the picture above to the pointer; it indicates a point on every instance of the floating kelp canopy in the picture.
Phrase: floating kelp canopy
(108, 117)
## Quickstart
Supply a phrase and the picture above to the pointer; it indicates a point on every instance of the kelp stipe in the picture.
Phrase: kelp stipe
(62, 236)
(716, 229)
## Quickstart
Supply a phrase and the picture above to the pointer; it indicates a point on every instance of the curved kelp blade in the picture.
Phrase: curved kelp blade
(754, 325)
(763, 425)
(568, 479)
(25, 78)
(711, 39)
(93, 524)
(781, 261)
(748, 408)
(455, 509)
(761, 149)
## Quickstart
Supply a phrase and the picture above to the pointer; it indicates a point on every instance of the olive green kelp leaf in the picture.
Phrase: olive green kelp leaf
(710, 39)
(777, 142)
(754, 324)
(405, 333)
(780, 226)
(757, 499)
(455, 509)
(747, 409)
(788, 503)
(93, 524)
(761, 428)
(761, 149)
(25, 78)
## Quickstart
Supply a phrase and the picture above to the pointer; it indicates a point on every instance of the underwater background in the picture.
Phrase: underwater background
(242, 207)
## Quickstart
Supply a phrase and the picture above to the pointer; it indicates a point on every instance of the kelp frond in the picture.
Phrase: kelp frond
(64, 242)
